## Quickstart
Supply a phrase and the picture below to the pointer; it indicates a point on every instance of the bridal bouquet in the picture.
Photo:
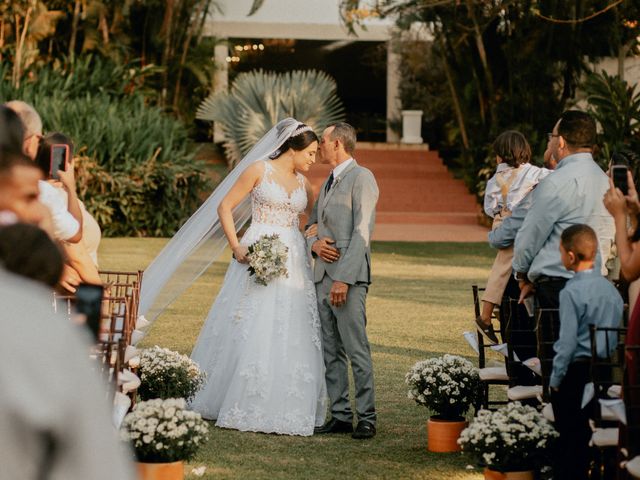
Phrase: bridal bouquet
(268, 259)
(447, 385)
(164, 431)
(168, 374)
(516, 437)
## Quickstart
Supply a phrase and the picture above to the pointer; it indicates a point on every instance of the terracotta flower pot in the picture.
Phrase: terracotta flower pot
(161, 471)
(495, 475)
(442, 435)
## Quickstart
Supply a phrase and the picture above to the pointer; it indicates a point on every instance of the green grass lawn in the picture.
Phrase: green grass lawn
(418, 306)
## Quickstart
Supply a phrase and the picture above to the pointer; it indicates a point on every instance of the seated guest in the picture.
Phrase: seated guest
(65, 211)
(513, 180)
(587, 299)
(26, 250)
(55, 420)
(82, 257)
(19, 192)
(11, 131)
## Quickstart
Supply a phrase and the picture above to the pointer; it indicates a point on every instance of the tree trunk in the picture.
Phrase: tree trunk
(74, 30)
(185, 50)
(167, 27)
(482, 53)
(454, 96)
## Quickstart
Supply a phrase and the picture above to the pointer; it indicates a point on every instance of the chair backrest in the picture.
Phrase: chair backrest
(547, 331)
(115, 319)
(607, 361)
(482, 345)
(631, 395)
(112, 276)
(520, 337)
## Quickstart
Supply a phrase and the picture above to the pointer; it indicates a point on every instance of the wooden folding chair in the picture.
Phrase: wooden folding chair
(630, 434)
(547, 332)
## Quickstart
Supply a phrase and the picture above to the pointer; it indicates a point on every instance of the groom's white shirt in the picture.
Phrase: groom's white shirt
(340, 168)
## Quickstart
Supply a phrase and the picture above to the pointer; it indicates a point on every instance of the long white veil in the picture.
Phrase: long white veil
(201, 239)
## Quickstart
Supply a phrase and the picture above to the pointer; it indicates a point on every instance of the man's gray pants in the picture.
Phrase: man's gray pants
(344, 338)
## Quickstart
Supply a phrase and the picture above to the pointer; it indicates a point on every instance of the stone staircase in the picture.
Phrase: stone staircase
(419, 198)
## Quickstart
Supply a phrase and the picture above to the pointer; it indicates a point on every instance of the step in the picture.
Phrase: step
(428, 218)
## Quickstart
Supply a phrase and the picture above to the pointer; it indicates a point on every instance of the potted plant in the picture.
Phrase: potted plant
(511, 442)
(168, 374)
(448, 386)
(164, 434)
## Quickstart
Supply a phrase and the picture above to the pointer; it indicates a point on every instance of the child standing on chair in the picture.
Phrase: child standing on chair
(587, 299)
(514, 178)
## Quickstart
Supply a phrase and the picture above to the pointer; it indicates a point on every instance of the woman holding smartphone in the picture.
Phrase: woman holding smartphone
(55, 159)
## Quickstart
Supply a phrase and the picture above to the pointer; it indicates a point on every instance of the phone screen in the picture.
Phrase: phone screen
(89, 303)
(619, 174)
(58, 159)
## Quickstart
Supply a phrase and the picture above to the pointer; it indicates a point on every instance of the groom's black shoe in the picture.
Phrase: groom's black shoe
(364, 430)
(335, 426)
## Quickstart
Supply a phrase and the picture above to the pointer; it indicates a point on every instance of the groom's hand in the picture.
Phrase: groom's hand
(338, 293)
(324, 249)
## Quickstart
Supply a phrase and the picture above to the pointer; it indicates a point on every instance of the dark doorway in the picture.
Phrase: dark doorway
(359, 69)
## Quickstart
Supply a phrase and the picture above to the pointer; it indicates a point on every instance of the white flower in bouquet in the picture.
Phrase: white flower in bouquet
(268, 259)
(164, 431)
(168, 374)
(447, 385)
(514, 437)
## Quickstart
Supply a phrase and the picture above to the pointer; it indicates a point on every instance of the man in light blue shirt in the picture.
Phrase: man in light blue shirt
(587, 299)
(571, 195)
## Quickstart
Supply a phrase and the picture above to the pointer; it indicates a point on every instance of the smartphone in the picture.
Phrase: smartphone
(619, 175)
(89, 303)
(59, 159)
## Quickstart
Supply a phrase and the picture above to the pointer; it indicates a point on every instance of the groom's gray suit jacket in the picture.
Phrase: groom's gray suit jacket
(346, 213)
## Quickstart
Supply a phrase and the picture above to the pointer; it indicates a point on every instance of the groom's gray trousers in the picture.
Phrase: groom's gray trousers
(344, 338)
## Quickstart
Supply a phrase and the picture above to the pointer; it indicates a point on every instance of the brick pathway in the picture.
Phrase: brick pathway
(420, 201)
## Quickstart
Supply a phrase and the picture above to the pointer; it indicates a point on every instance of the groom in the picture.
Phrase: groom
(340, 237)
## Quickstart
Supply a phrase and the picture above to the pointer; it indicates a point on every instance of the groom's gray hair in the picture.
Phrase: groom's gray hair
(346, 134)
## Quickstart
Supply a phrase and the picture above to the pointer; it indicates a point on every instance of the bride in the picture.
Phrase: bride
(260, 345)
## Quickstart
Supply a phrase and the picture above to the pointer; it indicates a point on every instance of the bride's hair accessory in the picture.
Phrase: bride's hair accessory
(301, 129)
(276, 153)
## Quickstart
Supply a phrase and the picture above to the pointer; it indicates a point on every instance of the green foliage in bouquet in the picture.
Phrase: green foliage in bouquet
(268, 259)
(163, 431)
(168, 374)
(258, 100)
(447, 385)
(137, 172)
(514, 438)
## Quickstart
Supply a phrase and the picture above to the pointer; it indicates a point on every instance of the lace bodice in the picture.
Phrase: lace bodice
(272, 205)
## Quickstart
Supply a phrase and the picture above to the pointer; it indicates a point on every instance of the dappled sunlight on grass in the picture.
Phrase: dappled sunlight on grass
(418, 306)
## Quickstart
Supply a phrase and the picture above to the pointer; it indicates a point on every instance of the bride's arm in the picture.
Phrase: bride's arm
(243, 186)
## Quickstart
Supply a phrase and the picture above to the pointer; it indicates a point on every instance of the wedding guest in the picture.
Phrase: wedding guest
(54, 418)
(515, 177)
(28, 251)
(19, 193)
(587, 299)
(82, 257)
(570, 196)
(11, 131)
(65, 212)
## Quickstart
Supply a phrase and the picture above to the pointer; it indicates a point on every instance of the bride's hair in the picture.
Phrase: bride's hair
(299, 140)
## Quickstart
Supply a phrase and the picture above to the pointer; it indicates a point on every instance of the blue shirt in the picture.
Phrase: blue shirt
(587, 299)
(572, 195)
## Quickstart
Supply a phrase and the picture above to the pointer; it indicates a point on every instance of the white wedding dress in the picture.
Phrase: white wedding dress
(260, 345)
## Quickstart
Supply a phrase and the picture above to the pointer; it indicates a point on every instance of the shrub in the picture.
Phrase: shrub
(137, 172)
(258, 100)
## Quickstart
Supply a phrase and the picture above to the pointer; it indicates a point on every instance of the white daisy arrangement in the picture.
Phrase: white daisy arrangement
(168, 374)
(268, 259)
(164, 431)
(448, 385)
(515, 437)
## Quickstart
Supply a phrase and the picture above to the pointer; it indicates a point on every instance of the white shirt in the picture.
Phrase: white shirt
(340, 168)
(527, 176)
(51, 394)
(65, 225)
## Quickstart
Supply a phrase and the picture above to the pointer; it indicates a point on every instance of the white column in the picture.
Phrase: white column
(220, 80)
(393, 91)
